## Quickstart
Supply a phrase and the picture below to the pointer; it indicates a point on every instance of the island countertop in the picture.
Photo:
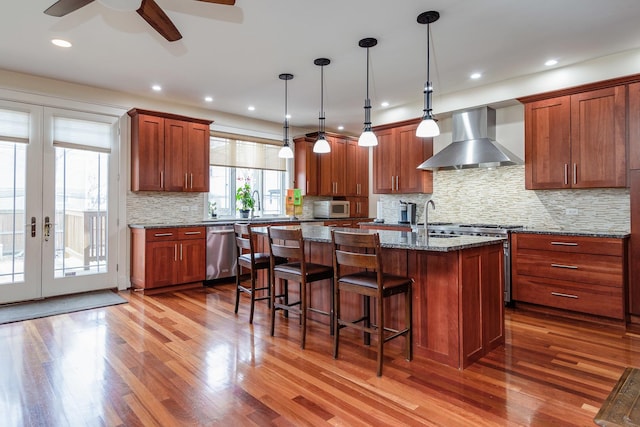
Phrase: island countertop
(398, 239)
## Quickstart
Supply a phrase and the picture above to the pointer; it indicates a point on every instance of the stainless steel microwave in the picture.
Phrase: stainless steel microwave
(331, 209)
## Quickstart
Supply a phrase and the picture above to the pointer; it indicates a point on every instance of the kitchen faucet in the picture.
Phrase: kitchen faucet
(256, 201)
(426, 214)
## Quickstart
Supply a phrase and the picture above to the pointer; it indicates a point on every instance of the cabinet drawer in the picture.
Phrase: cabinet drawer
(571, 244)
(591, 299)
(191, 233)
(586, 268)
(161, 234)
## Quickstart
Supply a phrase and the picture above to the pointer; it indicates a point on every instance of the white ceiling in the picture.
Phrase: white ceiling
(235, 53)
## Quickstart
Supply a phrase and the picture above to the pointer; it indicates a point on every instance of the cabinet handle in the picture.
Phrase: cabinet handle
(180, 251)
(575, 173)
(188, 233)
(307, 190)
(191, 181)
(162, 234)
(560, 294)
(397, 183)
(161, 179)
(566, 174)
(186, 183)
(564, 243)
(175, 252)
(571, 267)
(392, 183)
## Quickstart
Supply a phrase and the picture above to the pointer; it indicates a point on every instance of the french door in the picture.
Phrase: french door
(58, 201)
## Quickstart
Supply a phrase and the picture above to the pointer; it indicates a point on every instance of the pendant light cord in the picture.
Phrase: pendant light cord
(321, 118)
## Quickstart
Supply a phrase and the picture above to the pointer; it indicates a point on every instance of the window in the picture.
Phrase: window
(234, 162)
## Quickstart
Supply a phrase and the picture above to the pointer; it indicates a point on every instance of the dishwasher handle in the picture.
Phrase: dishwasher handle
(228, 231)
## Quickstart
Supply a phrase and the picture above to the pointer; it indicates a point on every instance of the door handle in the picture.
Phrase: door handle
(33, 226)
(47, 228)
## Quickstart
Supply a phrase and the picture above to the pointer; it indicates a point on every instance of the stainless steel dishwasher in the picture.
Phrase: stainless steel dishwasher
(221, 252)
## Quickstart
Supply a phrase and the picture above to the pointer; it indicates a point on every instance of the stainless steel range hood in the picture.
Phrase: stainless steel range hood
(474, 144)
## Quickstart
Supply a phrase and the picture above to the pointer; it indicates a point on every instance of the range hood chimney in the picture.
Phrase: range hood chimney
(474, 144)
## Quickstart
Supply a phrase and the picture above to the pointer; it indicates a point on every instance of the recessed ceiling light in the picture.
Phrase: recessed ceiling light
(384, 104)
(288, 116)
(251, 108)
(340, 127)
(475, 76)
(61, 43)
(551, 62)
(208, 99)
(156, 88)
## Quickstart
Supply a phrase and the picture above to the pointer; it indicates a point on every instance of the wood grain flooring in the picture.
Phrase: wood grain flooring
(185, 359)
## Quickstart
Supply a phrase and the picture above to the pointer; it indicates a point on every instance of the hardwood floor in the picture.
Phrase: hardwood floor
(185, 359)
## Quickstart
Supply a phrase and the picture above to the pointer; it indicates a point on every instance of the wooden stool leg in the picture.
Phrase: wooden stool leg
(253, 295)
(273, 304)
(380, 334)
(237, 289)
(303, 313)
(367, 318)
(336, 320)
(409, 322)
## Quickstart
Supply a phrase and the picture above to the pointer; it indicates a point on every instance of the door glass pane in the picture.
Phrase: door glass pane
(12, 211)
(79, 229)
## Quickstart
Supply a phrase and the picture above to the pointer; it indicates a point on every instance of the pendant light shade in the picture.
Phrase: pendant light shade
(321, 145)
(367, 138)
(285, 152)
(428, 127)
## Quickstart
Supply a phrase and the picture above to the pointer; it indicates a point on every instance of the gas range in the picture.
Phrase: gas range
(462, 229)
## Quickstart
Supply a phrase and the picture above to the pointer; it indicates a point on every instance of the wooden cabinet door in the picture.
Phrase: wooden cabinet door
(306, 167)
(598, 135)
(197, 158)
(192, 261)
(634, 244)
(548, 144)
(147, 153)
(331, 168)
(357, 170)
(634, 126)
(413, 151)
(176, 140)
(384, 162)
(161, 266)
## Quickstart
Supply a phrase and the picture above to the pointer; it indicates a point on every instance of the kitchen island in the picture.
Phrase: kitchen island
(458, 310)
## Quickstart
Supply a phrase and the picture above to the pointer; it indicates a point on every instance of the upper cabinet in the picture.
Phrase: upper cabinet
(342, 172)
(357, 172)
(634, 126)
(395, 159)
(576, 140)
(331, 167)
(169, 152)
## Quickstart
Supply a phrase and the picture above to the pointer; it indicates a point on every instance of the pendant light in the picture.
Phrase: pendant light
(428, 126)
(321, 145)
(367, 138)
(285, 152)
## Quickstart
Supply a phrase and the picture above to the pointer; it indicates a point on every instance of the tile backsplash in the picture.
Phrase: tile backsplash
(499, 196)
(469, 195)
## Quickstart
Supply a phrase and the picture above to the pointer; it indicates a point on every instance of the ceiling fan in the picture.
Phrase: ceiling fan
(148, 9)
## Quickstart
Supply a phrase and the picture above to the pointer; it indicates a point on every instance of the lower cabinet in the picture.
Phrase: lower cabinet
(163, 257)
(577, 273)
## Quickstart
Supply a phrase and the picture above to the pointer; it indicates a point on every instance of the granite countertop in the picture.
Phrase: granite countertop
(616, 234)
(400, 239)
(225, 221)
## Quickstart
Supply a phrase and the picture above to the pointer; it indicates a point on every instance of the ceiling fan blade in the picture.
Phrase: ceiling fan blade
(227, 2)
(155, 16)
(63, 7)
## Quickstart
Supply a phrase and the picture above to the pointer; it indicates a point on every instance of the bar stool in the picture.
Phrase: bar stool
(287, 242)
(362, 251)
(253, 261)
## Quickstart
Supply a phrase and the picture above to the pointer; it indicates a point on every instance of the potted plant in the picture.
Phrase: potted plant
(243, 197)
(213, 209)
